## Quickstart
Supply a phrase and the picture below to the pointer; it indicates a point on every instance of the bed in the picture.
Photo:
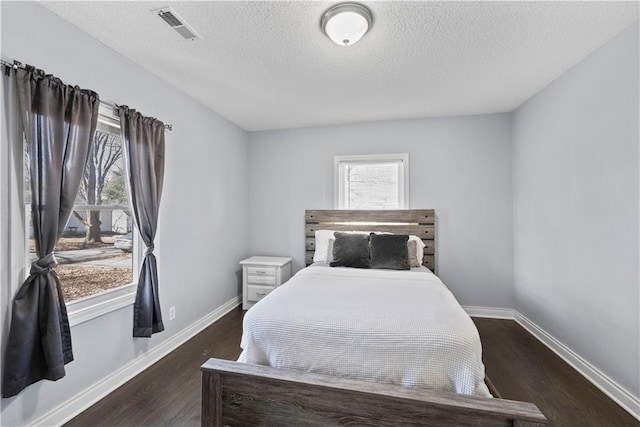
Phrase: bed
(388, 326)
(384, 340)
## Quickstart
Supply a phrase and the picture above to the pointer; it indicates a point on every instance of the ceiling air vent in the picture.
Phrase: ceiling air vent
(174, 20)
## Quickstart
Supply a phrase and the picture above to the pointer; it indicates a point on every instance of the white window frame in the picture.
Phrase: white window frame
(15, 254)
(92, 306)
(340, 162)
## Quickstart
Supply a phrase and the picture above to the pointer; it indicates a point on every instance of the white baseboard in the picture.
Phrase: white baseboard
(618, 394)
(91, 395)
(489, 312)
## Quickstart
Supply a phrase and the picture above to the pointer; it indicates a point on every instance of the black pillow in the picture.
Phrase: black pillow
(389, 251)
(351, 250)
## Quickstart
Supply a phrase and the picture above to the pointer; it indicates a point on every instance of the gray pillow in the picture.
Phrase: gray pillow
(330, 250)
(350, 250)
(389, 251)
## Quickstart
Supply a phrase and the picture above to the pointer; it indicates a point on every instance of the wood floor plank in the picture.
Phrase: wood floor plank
(520, 367)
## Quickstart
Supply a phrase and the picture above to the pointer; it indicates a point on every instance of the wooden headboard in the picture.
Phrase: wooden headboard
(419, 222)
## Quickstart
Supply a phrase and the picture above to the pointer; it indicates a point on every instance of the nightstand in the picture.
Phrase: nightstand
(261, 275)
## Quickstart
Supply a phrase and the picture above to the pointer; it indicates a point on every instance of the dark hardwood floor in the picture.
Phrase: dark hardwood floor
(168, 393)
(521, 368)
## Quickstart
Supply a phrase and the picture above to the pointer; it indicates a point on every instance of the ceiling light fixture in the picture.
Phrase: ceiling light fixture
(346, 23)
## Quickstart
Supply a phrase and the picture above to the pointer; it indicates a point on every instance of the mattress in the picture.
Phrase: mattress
(388, 326)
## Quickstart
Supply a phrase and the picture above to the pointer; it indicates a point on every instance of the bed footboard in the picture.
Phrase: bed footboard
(239, 394)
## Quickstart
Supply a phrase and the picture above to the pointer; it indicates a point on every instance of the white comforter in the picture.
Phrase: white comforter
(397, 327)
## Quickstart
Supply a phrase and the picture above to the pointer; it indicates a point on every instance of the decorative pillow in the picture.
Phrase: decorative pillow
(412, 247)
(351, 250)
(389, 251)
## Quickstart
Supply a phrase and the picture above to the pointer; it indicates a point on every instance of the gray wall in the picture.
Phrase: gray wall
(205, 194)
(576, 210)
(459, 166)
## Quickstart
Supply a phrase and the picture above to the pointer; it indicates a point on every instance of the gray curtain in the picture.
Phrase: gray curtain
(59, 123)
(143, 139)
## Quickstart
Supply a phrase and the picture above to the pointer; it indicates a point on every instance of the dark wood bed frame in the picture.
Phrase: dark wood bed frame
(240, 394)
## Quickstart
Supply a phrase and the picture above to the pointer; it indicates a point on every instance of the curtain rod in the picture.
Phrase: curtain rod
(168, 127)
(17, 64)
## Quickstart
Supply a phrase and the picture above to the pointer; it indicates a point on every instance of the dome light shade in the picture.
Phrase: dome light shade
(346, 23)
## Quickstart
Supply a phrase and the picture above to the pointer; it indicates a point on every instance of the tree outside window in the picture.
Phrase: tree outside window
(95, 252)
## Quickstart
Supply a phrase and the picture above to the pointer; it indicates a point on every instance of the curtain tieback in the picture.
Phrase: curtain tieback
(43, 265)
(149, 250)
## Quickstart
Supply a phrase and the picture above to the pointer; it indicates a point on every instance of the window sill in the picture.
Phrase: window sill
(93, 306)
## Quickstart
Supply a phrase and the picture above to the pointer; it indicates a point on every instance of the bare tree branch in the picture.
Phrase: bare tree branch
(105, 154)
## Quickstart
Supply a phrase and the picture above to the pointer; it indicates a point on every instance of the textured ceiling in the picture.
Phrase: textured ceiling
(267, 65)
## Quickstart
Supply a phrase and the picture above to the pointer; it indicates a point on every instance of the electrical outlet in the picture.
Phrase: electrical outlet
(172, 313)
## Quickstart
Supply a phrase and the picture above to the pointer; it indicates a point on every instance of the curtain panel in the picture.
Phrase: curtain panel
(143, 139)
(59, 122)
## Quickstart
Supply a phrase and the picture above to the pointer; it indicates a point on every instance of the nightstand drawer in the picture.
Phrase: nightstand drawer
(261, 280)
(261, 271)
(256, 293)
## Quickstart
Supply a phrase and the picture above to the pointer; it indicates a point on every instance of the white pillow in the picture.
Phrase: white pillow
(419, 247)
(322, 245)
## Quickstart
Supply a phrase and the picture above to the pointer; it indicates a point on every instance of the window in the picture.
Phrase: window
(378, 181)
(98, 253)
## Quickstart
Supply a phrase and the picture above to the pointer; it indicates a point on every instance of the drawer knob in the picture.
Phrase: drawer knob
(260, 271)
(260, 294)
